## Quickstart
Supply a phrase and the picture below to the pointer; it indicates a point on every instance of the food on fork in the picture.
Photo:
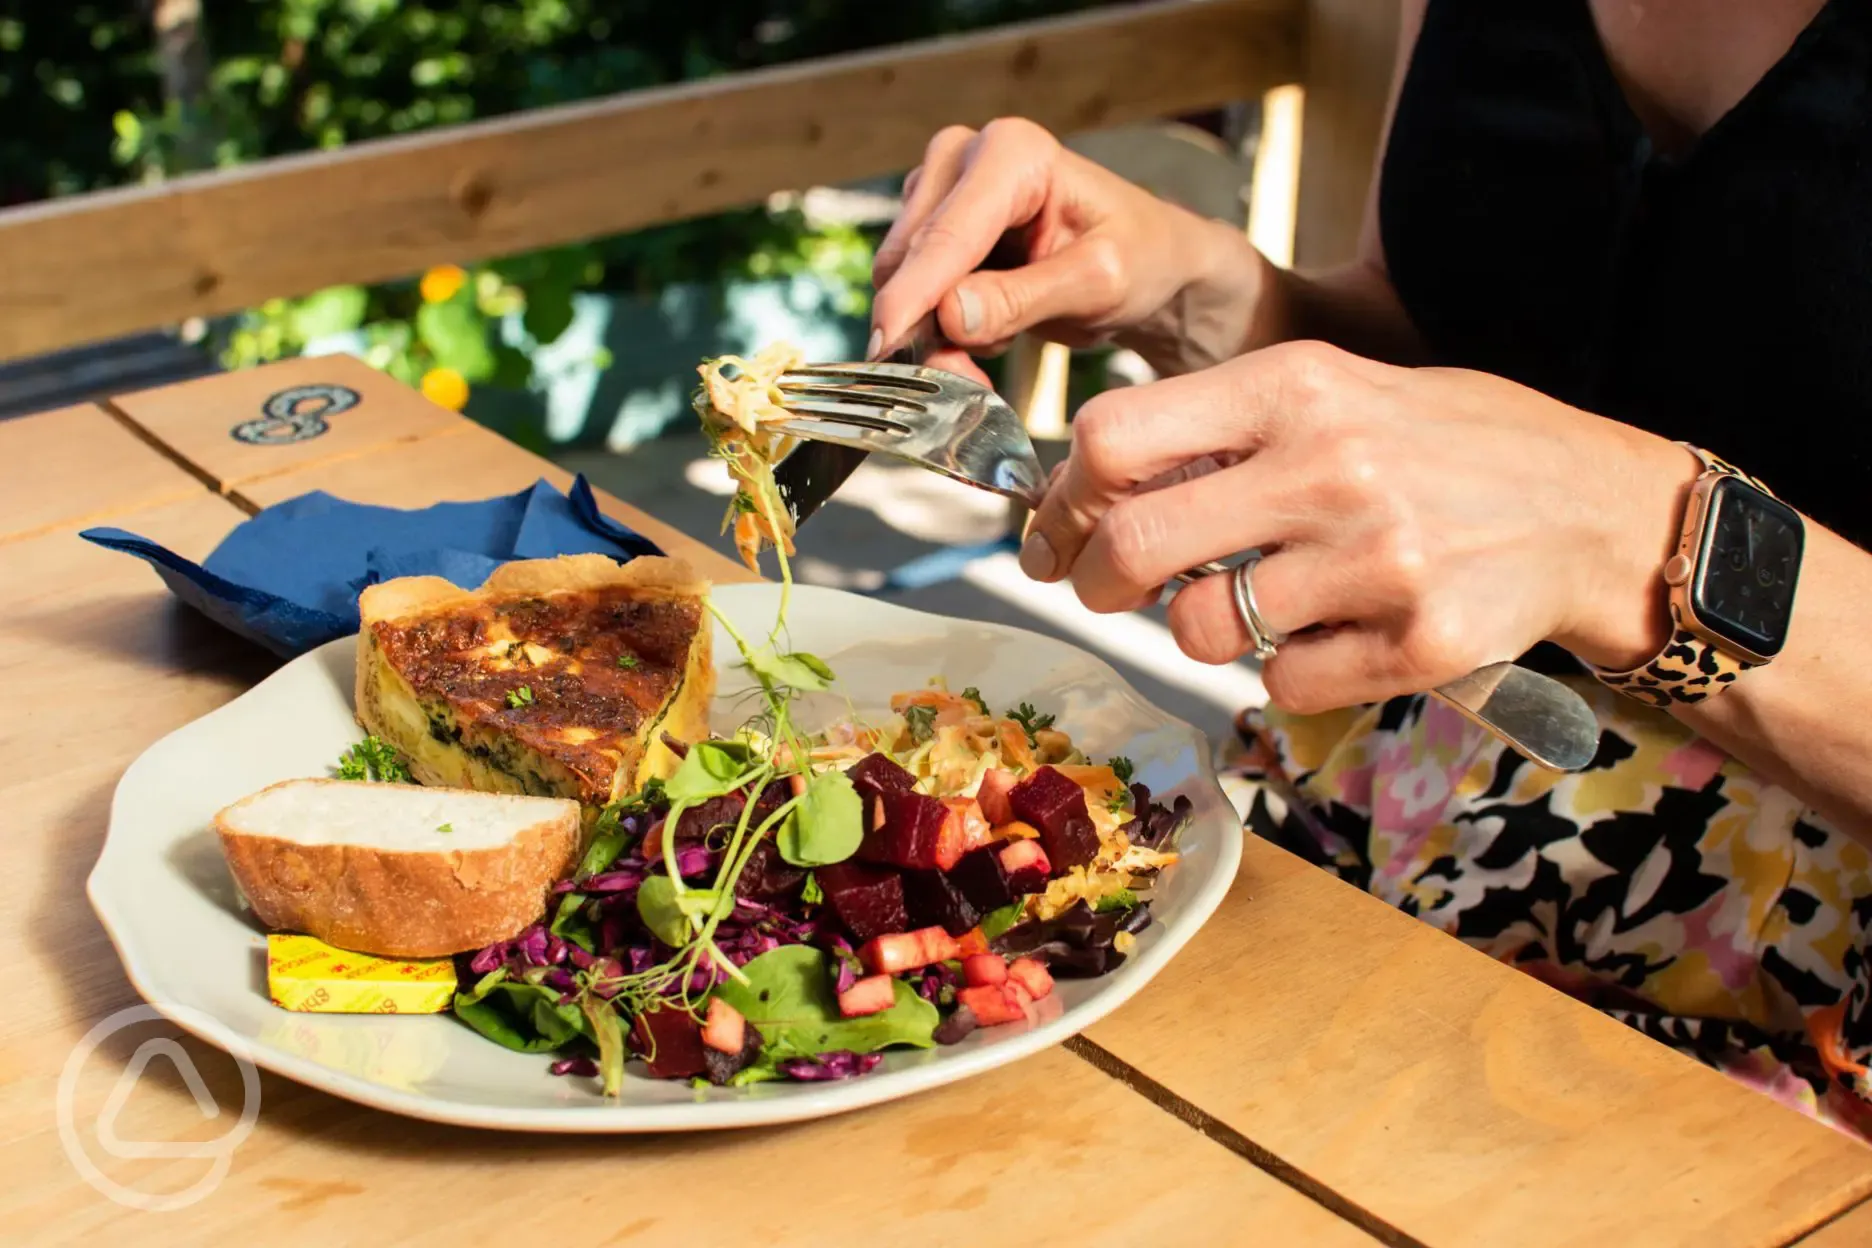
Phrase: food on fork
(396, 870)
(738, 399)
(558, 677)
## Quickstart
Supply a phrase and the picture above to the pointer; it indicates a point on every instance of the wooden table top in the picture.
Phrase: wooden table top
(1315, 1068)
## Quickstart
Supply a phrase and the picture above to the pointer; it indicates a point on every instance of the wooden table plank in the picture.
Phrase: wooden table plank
(1851, 1230)
(78, 465)
(107, 663)
(1455, 1098)
(197, 420)
(467, 463)
(1045, 1152)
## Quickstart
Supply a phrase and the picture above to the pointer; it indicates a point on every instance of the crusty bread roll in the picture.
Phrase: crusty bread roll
(394, 869)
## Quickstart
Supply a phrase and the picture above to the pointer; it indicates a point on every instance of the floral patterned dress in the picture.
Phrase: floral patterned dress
(1666, 885)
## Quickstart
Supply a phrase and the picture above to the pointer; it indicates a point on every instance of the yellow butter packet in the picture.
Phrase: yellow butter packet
(309, 975)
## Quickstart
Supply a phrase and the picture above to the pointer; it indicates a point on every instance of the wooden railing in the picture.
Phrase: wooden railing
(93, 266)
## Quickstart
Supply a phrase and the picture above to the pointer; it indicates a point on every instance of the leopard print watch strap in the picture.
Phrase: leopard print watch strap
(1689, 668)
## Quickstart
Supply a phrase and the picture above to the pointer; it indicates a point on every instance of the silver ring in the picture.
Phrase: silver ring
(1266, 641)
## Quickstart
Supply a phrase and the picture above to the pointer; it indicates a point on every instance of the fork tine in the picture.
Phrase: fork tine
(852, 394)
(863, 415)
(902, 376)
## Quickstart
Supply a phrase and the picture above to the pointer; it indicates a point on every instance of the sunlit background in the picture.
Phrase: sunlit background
(584, 354)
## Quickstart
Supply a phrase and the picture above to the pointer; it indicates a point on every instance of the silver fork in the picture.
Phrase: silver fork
(962, 429)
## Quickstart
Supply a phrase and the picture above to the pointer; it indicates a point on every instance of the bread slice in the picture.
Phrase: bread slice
(394, 869)
(558, 677)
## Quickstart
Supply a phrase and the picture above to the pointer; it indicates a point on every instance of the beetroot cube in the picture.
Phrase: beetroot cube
(933, 900)
(1057, 808)
(1026, 866)
(876, 774)
(769, 878)
(670, 1041)
(982, 878)
(869, 901)
(911, 833)
(873, 776)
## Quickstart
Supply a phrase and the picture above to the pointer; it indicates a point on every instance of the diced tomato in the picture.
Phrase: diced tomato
(971, 942)
(963, 829)
(993, 795)
(1030, 975)
(939, 946)
(992, 1005)
(897, 952)
(870, 995)
(724, 1030)
(1025, 854)
(985, 968)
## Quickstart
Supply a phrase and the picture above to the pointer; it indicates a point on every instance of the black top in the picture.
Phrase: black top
(1722, 296)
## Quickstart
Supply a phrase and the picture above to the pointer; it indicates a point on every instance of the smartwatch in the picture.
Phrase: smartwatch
(1731, 583)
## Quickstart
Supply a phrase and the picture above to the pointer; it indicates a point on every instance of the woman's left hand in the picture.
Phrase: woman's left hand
(1418, 523)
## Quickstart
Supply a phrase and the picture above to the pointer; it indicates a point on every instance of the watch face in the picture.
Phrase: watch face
(1746, 571)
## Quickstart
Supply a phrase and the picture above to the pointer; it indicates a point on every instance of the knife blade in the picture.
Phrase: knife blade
(813, 471)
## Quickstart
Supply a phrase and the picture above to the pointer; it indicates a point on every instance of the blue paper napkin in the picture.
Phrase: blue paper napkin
(289, 578)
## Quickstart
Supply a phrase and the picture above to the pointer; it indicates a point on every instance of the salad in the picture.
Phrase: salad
(787, 905)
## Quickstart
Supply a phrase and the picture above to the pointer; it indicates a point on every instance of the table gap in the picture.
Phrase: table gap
(1207, 1124)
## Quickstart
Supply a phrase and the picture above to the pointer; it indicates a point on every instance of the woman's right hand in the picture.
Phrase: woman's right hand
(1104, 259)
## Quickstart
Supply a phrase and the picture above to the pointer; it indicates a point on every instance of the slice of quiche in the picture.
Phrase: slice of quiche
(558, 677)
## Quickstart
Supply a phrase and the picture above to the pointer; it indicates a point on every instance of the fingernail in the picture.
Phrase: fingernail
(875, 347)
(970, 305)
(1037, 558)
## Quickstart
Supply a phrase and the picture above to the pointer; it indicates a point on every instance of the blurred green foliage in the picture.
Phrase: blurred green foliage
(83, 105)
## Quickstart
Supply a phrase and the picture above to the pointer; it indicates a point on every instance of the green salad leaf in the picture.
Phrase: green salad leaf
(798, 670)
(662, 912)
(1122, 899)
(827, 826)
(812, 894)
(570, 923)
(710, 769)
(788, 995)
(997, 921)
(526, 1018)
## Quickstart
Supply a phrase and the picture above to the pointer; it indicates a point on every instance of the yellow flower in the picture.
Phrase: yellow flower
(445, 388)
(440, 283)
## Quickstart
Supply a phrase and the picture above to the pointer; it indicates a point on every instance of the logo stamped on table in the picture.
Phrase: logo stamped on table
(297, 414)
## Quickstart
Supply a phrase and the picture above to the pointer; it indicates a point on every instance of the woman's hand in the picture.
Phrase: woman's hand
(1104, 258)
(1417, 522)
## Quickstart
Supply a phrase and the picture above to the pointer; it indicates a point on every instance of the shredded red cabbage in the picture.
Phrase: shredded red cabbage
(838, 1064)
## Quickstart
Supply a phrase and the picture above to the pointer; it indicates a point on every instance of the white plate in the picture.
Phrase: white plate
(165, 896)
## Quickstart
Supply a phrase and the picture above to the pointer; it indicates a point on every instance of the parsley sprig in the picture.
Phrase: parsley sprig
(921, 720)
(1032, 722)
(373, 759)
(517, 698)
